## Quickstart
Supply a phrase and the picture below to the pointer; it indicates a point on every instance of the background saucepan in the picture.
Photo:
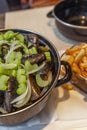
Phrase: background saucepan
(71, 18)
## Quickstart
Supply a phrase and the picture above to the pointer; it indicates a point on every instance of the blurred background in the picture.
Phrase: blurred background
(12, 5)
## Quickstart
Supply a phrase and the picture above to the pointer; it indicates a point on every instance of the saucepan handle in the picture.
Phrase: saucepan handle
(68, 74)
(50, 14)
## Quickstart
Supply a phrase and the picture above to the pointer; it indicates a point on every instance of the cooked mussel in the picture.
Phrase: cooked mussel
(10, 93)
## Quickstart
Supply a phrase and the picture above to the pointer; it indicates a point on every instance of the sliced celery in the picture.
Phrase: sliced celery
(34, 50)
(18, 55)
(17, 62)
(3, 87)
(9, 34)
(20, 37)
(30, 67)
(21, 79)
(26, 51)
(11, 57)
(48, 56)
(8, 66)
(4, 78)
(21, 89)
(3, 82)
(21, 71)
(14, 73)
(40, 82)
(4, 71)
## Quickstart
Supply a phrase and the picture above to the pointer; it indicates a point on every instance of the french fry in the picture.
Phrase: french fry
(77, 58)
(84, 59)
(68, 86)
(84, 74)
(72, 50)
(81, 66)
(80, 55)
(84, 65)
(75, 68)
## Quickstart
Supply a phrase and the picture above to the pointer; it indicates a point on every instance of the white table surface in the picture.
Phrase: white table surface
(70, 105)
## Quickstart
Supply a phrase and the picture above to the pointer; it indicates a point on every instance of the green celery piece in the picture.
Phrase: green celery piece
(40, 82)
(29, 66)
(21, 89)
(48, 56)
(5, 71)
(20, 37)
(14, 73)
(17, 62)
(34, 50)
(11, 57)
(20, 43)
(18, 55)
(3, 87)
(18, 58)
(21, 79)
(26, 51)
(1, 70)
(4, 78)
(21, 72)
(22, 85)
(8, 66)
(3, 82)
(30, 51)
(9, 34)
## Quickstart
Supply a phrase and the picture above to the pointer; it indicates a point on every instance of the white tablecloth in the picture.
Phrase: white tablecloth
(66, 106)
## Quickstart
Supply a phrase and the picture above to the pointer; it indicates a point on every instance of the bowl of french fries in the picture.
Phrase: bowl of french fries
(76, 56)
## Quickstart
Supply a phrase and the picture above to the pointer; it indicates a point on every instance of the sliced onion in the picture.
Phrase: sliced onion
(12, 48)
(44, 83)
(35, 70)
